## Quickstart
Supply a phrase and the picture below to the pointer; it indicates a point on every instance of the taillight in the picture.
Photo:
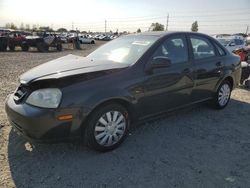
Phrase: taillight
(242, 56)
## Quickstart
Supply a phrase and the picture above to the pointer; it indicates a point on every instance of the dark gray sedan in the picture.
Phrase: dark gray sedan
(131, 78)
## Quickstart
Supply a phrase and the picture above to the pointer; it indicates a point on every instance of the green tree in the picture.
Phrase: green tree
(34, 27)
(7, 25)
(21, 26)
(62, 30)
(46, 28)
(10, 26)
(138, 30)
(27, 27)
(85, 32)
(194, 27)
(13, 26)
(156, 27)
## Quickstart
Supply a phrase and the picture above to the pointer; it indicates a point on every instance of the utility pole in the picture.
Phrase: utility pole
(247, 29)
(167, 22)
(105, 26)
(72, 25)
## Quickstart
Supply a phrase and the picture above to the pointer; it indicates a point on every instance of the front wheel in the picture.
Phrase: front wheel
(3, 47)
(12, 47)
(25, 47)
(107, 127)
(59, 47)
(222, 95)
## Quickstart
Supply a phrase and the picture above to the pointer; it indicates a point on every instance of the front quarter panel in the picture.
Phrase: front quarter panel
(125, 85)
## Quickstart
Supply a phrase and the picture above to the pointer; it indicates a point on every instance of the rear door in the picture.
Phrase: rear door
(208, 66)
(169, 87)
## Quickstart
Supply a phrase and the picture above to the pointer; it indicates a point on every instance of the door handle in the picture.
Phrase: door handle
(186, 71)
(219, 64)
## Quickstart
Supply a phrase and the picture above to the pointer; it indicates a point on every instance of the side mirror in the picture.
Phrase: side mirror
(232, 44)
(158, 62)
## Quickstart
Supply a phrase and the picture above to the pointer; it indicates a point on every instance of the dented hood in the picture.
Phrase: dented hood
(67, 66)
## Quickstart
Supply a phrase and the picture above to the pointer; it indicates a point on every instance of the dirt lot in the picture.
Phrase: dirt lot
(194, 147)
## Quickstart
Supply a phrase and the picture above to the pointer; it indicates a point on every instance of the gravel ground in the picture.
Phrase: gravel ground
(193, 147)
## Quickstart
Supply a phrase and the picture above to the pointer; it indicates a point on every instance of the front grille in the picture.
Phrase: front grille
(20, 93)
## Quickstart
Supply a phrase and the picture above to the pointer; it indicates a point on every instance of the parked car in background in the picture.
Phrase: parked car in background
(232, 44)
(131, 78)
(86, 40)
(248, 40)
(101, 37)
(43, 41)
(113, 37)
(244, 54)
(18, 38)
(71, 37)
(106, 38)
(96, 37)
(4, 32)
(63, 37)
(3, 43)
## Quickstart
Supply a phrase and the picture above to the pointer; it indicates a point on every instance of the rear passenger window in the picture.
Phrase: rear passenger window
(220, 50)
(202, 48)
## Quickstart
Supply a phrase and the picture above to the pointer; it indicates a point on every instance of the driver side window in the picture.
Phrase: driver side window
(173, 48)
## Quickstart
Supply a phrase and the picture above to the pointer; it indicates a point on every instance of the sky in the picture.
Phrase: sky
(213, 16)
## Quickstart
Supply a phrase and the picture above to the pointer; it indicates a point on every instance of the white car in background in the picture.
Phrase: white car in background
(86, 40)
(248, 40)
(232, 43)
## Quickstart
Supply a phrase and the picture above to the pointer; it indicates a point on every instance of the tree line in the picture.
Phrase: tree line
(154, 27)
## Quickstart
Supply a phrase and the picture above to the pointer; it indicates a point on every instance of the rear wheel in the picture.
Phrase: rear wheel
(3, 48)
(41, 47)
(59, 47)
(107, 127)
(222, 95)
(12, 47)
(25, 47)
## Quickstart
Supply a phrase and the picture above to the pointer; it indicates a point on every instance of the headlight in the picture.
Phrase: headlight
(46, 98)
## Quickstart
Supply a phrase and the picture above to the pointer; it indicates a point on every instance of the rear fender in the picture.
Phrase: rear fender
(228, 74)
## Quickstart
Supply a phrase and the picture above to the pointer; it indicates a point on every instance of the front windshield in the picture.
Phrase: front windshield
(127, 49)
(224, 42)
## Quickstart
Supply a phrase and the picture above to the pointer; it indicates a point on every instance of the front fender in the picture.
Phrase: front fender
(98, 98)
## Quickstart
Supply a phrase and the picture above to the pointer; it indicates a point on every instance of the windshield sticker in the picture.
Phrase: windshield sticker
(142, 43)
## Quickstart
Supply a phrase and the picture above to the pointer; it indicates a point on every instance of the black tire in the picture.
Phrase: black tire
(92, 42)
(41, 47)
(12, 47)
(59, 47)
(25, 47)
(216, 101)
(247, 83)
(4, 48)
(93, 120)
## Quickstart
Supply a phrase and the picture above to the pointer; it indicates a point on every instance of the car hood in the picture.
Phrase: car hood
(67, 66)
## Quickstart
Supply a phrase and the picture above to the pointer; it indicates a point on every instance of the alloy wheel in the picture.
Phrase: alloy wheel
(224, 94)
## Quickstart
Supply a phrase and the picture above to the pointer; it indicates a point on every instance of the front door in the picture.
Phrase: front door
(169, 87)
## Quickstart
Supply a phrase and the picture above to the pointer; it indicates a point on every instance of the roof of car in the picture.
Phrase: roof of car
(163, 33)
